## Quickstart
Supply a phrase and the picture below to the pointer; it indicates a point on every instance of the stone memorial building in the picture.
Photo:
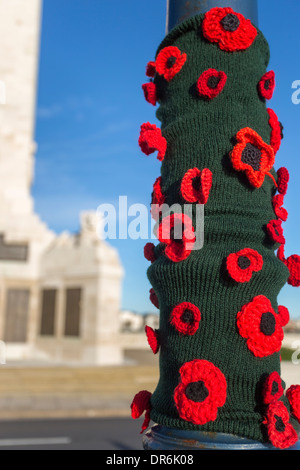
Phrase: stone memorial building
(59, 294)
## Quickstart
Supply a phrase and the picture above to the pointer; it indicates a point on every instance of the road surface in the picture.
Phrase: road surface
(71, 434)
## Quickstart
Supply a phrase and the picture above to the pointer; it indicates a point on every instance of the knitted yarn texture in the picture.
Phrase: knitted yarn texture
(221, 327)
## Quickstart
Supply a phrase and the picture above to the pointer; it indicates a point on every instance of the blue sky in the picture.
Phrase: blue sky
(90, 107)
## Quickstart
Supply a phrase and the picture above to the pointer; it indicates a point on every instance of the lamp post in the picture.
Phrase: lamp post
(180, 10)
(160, 437)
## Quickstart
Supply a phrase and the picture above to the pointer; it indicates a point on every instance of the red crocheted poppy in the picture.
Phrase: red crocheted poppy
(149, 252)
(185, 317)
(202, 390)
(293, 396)
(280, 211)
(195, 185)
(284, 315)
(242, 264)
(152, 338)
(151, 140)
(272, 389)
(293, 265)
(158, 198)
(177, 232)
(153, 298)
(281, 433)
(282, 181)
(258, 323)
(276, 130)
(141, 403)
(149, 90)
(253, 156)
(275, 231)
(266, 85)
(211, 83)
(170, 61)
(150, 69)
(230, 30)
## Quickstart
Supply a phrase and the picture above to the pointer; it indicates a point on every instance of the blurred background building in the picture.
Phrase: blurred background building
(59, 294)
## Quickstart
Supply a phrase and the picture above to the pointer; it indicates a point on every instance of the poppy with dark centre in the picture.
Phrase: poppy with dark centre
(228, 29)
(277, 421)
(158, 199)
(211, 83)
(275, 231)
(293, 396)
(176, 231)
(276, 130)
(272, 388)
(260, 325)
(201, 391)
(252, 156)
(266, 85)
(195, 185)
(169, 62)
(243, 264)
(185, 317)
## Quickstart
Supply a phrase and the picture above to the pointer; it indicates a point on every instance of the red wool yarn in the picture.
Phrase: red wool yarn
(243, 264)
(272, 389)
(141, 403)
(282, 181)
(202, 390)
(281, 433)
(266, 85)
(169, 62)
(151, 140)
(230, 30)
(149, 90)
(260, 325)
(293, 396)
(280, 211)
(211, 83)
(195, 185)
(276, 130)
(152, 338)
(185, 318)
(275, 231)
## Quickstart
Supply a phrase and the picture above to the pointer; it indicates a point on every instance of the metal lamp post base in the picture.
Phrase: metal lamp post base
(163, 438)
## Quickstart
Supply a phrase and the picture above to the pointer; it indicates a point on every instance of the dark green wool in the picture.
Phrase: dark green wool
(201, 133)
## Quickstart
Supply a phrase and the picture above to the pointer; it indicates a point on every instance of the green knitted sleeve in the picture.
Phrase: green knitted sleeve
(221, 327)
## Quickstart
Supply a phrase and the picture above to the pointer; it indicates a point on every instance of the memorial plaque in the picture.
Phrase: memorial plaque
(72, 317)
(16, 315)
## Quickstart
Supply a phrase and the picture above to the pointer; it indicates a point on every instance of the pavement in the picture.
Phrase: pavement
(64, 391)
(85, 392)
